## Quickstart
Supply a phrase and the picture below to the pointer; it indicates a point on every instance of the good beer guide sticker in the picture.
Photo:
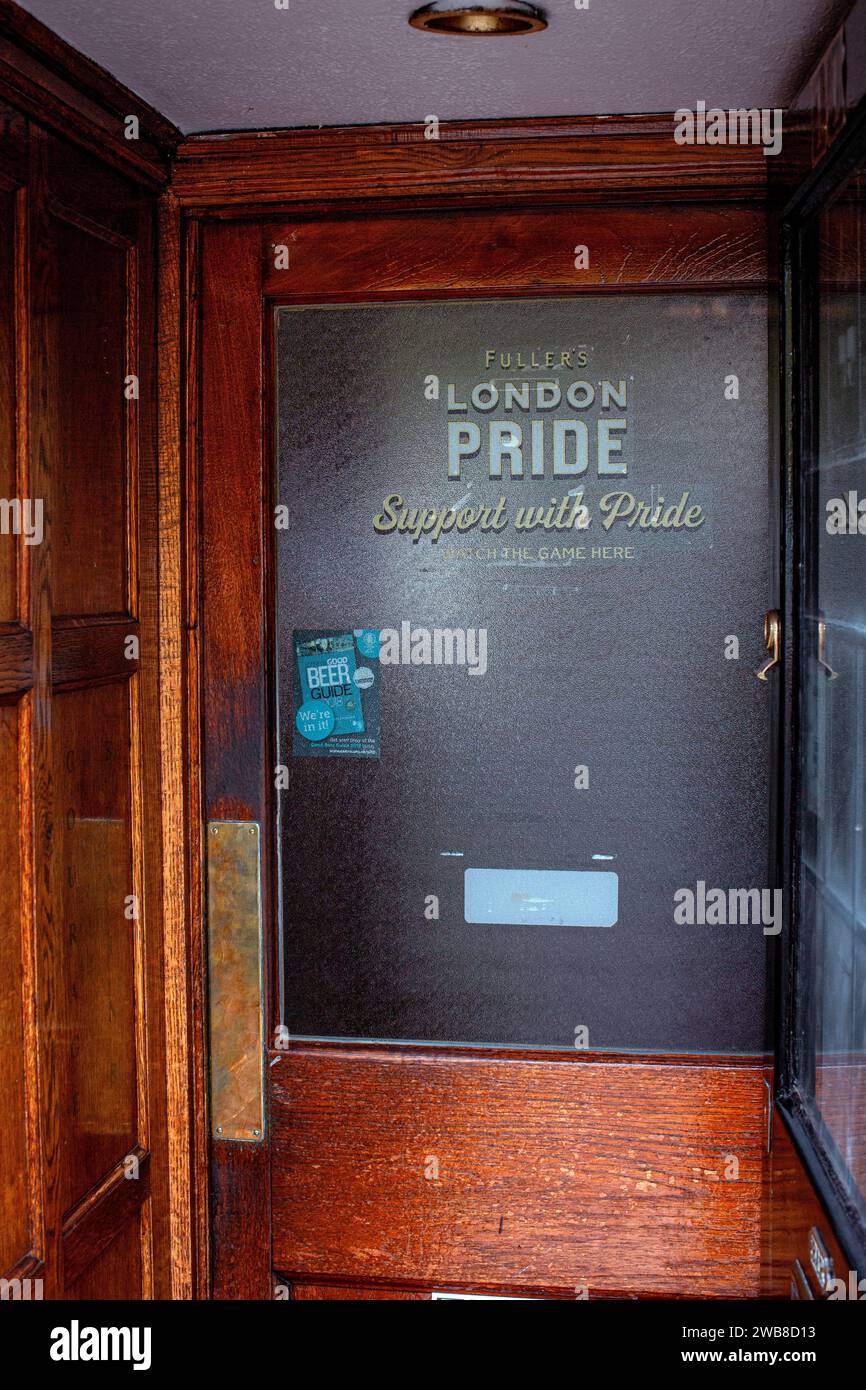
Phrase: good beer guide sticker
(335, 687)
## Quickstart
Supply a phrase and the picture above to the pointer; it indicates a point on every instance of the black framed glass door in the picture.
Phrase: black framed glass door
(822, 1075)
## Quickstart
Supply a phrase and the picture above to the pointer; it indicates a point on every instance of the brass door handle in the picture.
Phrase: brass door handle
(822, 644)
(773, 642)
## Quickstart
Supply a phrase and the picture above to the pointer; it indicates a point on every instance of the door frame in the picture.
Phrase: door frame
(661, 218)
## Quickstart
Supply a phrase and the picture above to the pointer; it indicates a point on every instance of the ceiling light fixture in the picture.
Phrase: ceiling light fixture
(484, 20)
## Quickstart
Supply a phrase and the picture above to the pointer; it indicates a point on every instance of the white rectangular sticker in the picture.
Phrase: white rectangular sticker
(541, 897)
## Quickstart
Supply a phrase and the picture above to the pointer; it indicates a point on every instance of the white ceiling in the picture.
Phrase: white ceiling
(230, 64)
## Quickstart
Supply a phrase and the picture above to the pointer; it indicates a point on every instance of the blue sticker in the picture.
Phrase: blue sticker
(314, 721)
(368, 643)
(335, 695)
(326, 666)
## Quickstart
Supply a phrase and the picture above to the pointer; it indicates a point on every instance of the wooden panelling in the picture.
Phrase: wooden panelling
(16, 657)
(13, 147)
(8, 358)
(494, 253)
(187, 1138)
(305, 1292)
(87, 294)
(193, 739)
(82, 1004)
(93, 881)
(143, 523)
(116, 1272)
(554, 159)
(35, 460)
(94, 650)
(15, 1178)
(97, 912)
(234, 666)
(22, 1227)
(46, 79)
(106, 1210)
(415, 1165)
(321, 1292)
(232, 532)
(103, 945)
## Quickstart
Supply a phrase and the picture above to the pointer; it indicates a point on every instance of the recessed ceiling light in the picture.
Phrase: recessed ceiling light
(486, 20)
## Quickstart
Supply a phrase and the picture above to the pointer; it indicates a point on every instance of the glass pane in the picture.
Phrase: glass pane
(832, 642)
(482, 840)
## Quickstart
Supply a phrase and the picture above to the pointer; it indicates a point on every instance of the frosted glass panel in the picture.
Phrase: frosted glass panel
(556, 713)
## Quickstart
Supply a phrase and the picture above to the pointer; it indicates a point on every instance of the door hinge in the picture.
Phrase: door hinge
(772, 641)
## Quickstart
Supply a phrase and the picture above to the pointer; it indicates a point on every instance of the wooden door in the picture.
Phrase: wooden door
(398, 1157)
(82, 1067)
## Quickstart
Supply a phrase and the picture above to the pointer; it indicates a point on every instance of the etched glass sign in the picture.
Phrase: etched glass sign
(553, 516)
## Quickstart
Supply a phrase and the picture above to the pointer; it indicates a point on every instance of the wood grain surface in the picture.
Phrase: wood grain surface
(553, 1175)
(512, 253)
(552, 159)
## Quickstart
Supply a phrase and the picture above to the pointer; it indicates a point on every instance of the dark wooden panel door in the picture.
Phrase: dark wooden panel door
(83, 1154)
(462, 1167)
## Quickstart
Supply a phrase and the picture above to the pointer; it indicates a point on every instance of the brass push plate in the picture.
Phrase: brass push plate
(234, 903)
